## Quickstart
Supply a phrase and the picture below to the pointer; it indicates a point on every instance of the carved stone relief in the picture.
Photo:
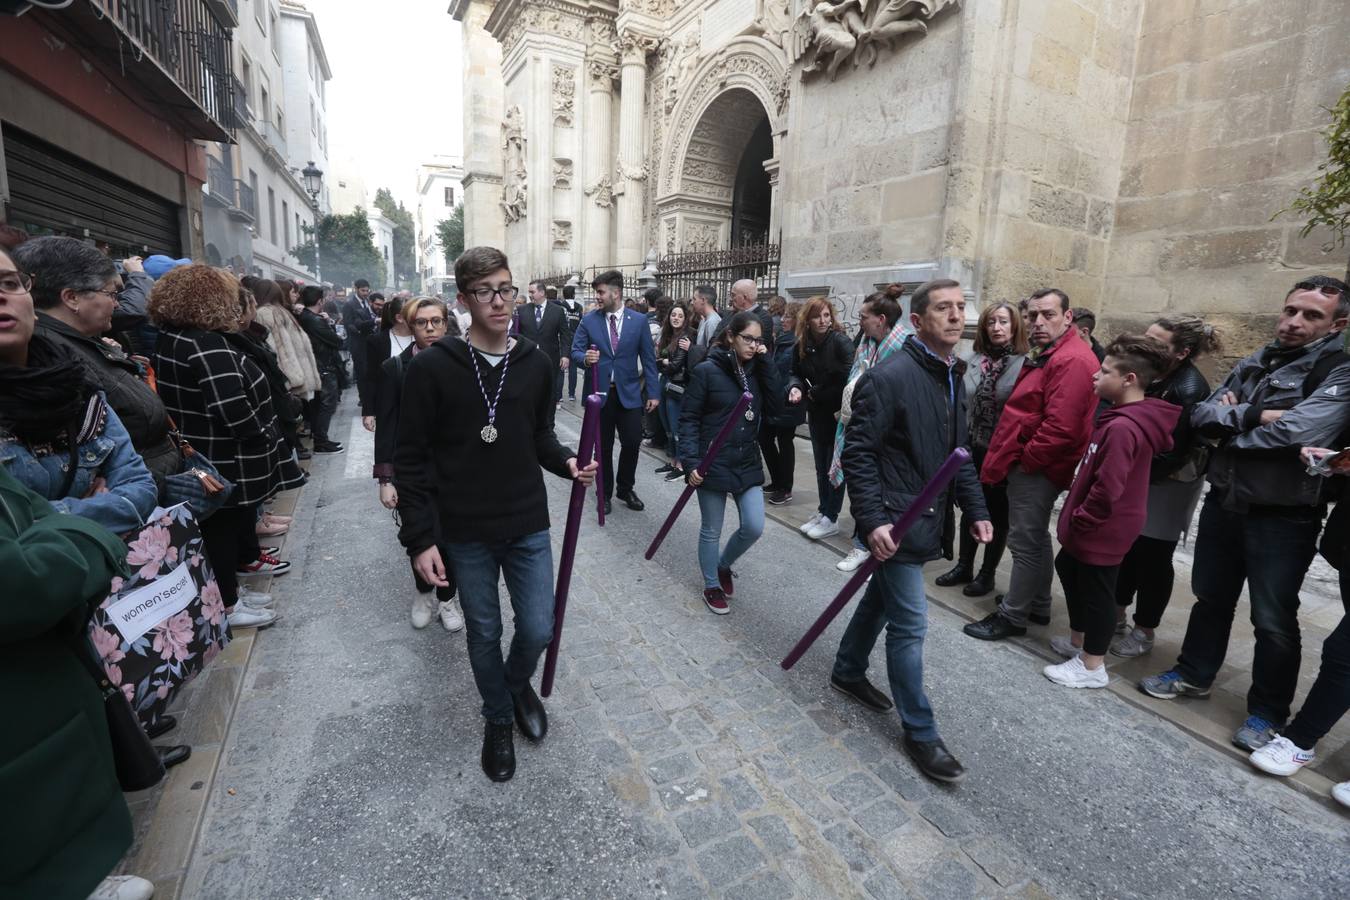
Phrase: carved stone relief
(602, 73)
(515, 180)
(601, 192)
(564, 95)
(562, 235)
(682, 67)
(562, 174)
(702, 236)
(538, 18)
(827, 34)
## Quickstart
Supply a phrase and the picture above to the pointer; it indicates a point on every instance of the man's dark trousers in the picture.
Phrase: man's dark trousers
(1270, 548)
(628, 423)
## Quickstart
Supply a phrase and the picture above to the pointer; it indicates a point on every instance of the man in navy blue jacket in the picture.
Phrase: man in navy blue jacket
(618, 342)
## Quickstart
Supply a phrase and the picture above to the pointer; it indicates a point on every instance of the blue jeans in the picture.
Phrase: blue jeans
(822, 428)
(713, 507)
(670, 408)
(527, 564)
(1270, 549)
(895, 599)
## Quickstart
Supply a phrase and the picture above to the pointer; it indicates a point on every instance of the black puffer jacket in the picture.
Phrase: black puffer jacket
(134, 401)
(1185, 387)
(824, 366)
(784, 352)
(909, 414)
(713, 390)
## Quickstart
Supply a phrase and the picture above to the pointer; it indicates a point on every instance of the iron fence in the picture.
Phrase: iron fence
(679, 273)
(219, 179)
(247, 201)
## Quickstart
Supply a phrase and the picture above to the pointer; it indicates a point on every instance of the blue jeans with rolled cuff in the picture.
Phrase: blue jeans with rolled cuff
(712, 505)
(527, 564)
(895, 600)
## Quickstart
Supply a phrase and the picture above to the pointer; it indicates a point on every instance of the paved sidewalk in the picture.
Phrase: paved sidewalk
(1213, 719)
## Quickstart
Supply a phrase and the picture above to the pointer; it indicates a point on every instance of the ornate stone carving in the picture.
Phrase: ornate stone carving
(602, 73)
(663, 9)
(562, 174)
(701, 236)
(539, 17)
(515, 180)
(602, 192)
(781, 92)
(601, 29)
(774, 20)
(682, 66)
(633, 46)
(829, 33)
(564, 95)
(562, 235)
(633, 173)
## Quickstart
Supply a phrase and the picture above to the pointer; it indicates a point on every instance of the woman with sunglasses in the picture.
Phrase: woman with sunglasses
(427, 318)
(735, 365)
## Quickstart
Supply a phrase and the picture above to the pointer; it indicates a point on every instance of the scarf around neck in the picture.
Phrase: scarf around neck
(46, 399)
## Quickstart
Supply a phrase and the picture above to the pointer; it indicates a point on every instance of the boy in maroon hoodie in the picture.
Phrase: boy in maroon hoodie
(1106, 506)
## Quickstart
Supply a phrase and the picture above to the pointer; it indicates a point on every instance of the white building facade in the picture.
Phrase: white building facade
(382, 230)
(305, 73)
(440, 188)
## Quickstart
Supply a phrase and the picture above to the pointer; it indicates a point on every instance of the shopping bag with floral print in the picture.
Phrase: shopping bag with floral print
(158, 628)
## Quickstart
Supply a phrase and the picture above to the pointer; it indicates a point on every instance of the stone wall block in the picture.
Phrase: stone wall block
(862, 245)
(930, 149)
(884, 162)
(1154, 94)
(853, 208)
(1050, 205)
(1221, 250)
(1309, 251)
(914, 197)
(1072, 25)
(1101, 218)
(1054, 66)
(1258, 70)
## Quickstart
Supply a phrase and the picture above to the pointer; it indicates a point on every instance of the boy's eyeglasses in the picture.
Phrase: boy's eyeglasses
(429, 323)
(485, 295)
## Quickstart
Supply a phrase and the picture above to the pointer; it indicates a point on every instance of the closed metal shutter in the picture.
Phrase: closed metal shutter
(55, 192)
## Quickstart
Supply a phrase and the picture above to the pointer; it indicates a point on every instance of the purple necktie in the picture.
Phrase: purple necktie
(613, 334)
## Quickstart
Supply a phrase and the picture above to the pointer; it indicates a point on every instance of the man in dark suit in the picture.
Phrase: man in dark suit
(546, 324)
(359, 318)
(574, 310)
(616, 340)
(745, 298)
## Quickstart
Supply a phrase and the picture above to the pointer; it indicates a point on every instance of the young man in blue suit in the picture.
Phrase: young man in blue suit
(620, 338)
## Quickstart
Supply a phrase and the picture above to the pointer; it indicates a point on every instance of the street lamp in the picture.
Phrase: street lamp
(313, 176)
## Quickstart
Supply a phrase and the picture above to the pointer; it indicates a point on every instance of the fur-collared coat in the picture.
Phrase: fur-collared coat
(295, 355)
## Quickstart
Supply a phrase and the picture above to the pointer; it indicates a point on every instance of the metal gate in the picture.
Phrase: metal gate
(677, 274)
(55, 192)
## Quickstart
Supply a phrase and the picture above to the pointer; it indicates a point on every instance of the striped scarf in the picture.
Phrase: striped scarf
(870, 352)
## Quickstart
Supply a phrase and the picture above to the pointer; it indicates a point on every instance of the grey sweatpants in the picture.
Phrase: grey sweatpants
(1031, 500)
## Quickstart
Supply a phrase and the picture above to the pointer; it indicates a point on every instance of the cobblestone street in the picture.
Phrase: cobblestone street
(682, 761)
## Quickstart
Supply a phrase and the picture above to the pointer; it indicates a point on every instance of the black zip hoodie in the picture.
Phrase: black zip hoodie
(453, 487)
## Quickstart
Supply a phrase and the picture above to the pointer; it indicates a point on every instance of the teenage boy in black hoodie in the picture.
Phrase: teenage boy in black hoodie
(476, 426)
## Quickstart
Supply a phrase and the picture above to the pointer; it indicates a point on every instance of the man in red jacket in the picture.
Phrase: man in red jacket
(1040, 437)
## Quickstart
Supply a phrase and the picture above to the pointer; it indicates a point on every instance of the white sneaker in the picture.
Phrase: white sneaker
(1341, 793)
(823, 529)
(1064, 646)
(423, 610)
(254, 599)
(1136, 643)
(450, 617)
(854, 559)
(123, 887)
(1281, 756)
(247, 617)
(810, 523)
(1072, 673)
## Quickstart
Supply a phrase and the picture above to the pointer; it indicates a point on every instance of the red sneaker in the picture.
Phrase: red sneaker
(265, 564)
(716, 601)
(724, 579)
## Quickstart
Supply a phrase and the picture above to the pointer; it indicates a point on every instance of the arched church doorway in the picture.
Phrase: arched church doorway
(722, 196)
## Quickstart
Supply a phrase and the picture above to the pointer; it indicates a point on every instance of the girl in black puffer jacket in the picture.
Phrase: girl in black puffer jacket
(736, 365)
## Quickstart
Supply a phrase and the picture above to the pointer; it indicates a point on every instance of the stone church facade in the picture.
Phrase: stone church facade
(1132, 152)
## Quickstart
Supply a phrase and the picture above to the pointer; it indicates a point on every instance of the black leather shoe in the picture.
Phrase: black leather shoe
(994, 627)
(609, 507)
(960, 574)
(172, 756)
(982, 584)
(163, 725)
(530, 716)
(1033, 618)
(933, 760)
(499, 751)
(863, 692)
(631, 500)
(661, 470)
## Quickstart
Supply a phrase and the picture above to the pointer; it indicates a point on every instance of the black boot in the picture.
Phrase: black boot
(993, 555)
(961, 573)
(499, 751)
(530, 716)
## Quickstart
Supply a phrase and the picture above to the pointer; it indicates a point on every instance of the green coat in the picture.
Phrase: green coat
(65, 823)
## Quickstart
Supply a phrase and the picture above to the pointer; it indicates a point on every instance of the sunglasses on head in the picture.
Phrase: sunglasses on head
(1329, 290)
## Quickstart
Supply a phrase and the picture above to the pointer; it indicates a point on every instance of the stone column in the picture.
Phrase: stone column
(631, 176)
(599, 185)
(772, 168)
(483, 112)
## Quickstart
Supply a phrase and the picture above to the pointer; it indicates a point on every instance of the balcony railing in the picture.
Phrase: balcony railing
(226, 10)
(272, 135)
(177, 48)
(247, 201)
(220, 180)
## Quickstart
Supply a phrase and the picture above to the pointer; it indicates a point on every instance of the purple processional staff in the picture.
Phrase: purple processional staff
(479, 493)
(575, 507)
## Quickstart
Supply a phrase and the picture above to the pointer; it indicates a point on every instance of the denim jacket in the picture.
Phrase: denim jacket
(131, 493)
